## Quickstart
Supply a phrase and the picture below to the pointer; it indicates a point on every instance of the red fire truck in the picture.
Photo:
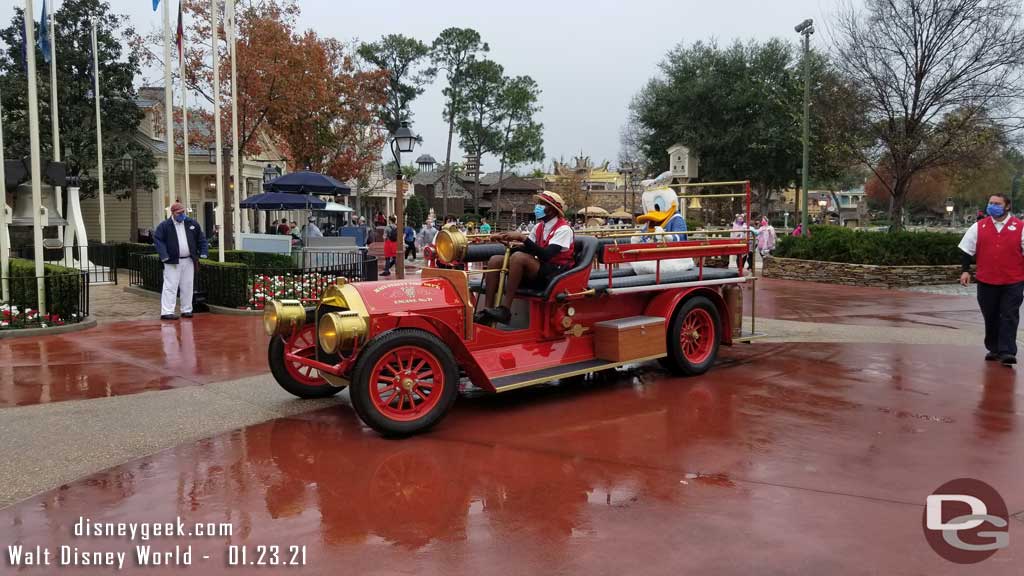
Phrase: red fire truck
(404, 347)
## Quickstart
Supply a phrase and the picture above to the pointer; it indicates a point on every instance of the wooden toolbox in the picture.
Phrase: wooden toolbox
(630, 338)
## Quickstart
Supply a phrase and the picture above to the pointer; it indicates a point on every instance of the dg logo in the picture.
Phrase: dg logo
(966, 521)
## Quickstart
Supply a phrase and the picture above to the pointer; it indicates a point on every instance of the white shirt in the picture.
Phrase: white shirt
(179, 230)
(561, 237)
(969, 243)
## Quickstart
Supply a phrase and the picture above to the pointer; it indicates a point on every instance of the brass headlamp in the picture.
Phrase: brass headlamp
(281, 317)
(339, 331)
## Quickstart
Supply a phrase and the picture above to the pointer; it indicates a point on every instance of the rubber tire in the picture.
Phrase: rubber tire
(359, 390)
(676, 362)
(275, 357)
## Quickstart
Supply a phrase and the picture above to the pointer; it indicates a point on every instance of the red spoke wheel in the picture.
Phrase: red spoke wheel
(298, 379)
(693, 337)
(404, 382)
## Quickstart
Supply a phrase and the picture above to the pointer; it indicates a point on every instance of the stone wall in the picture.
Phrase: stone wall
(859, 274)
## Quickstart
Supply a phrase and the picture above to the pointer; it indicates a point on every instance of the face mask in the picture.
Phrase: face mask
(538, 211)
(995, 210)
(179, 217)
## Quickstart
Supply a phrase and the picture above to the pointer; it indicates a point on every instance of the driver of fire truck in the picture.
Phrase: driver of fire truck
(537, 257)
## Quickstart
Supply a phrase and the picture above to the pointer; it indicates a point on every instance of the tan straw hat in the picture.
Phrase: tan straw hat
(553, 200)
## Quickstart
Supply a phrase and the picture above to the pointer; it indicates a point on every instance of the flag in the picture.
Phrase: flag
(156, 3)
(179, 41)
(229, 22)
(44, 35)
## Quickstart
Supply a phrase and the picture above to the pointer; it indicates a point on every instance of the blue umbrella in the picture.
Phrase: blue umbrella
(283, 201)
(306, 183)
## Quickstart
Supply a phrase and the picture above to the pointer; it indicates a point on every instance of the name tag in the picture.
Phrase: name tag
(193, 228)
(1012, 227)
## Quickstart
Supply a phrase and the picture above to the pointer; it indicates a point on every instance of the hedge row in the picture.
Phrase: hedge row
(255, 259)
(838, 244)
(226, 284)
(63, 287)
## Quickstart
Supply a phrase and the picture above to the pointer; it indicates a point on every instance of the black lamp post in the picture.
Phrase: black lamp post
(403, 140)
(128, 166)
(627, 173)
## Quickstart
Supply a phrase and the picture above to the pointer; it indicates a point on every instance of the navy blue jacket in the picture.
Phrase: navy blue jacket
(166, 240)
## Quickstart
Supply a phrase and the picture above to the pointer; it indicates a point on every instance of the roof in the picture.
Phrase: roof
(426, 159)
(513, 183)
(433, 178)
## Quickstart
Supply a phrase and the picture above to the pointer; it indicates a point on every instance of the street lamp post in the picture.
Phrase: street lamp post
(822, 205)
(403, 140)
(805, 29)
(128, 165)
(1014, 188)
(627, 173)
(949, 209)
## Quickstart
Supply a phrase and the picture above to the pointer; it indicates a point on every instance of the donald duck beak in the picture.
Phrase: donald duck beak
(656, 218)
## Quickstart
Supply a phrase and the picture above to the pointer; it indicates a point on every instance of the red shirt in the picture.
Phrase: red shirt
(998, 254)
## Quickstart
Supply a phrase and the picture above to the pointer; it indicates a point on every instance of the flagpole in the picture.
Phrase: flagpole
(55, 117)
(5, 249)
(99, 134)
(168, 104)
(236, 219)
(221, 195)
(184, 117)
(35, 169)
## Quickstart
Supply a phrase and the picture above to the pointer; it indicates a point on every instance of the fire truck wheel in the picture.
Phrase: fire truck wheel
(693, 337)
(299, 380)
(404, 382)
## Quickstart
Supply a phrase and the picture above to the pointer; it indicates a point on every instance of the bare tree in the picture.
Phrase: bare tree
(941, 78)
(631, 142)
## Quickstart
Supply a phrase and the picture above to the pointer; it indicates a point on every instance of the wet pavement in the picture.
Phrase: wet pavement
(854, 305)
(807, 457)
(129, 357)
(785, 458)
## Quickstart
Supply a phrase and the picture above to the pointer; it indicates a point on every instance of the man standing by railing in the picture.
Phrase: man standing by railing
(180, 243)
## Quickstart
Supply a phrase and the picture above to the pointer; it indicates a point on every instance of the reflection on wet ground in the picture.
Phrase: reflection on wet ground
(785, 458)
(129, 357)
(831, 303)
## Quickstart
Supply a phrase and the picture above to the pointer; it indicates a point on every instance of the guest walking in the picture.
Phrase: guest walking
(390, 246)
(997, 244)
(180, 243)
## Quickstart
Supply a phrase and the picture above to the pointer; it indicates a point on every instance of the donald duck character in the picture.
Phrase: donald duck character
(661, 214)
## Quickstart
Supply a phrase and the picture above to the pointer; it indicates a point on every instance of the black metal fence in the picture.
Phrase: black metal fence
(67, 299)
(100, 261)
(239, 285)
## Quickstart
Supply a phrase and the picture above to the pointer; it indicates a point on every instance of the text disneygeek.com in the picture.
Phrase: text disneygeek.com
(147, 553)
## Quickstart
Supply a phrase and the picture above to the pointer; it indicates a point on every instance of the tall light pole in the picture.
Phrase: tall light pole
(805, 29)
(403, 140)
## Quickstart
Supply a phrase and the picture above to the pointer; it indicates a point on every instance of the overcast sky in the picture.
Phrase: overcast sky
(589, 57)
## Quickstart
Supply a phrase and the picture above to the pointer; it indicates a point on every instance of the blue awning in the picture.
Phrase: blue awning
(283, 201)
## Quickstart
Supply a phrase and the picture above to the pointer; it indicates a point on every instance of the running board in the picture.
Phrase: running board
(524, 379)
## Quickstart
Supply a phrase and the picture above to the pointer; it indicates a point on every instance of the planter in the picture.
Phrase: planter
(859, 274)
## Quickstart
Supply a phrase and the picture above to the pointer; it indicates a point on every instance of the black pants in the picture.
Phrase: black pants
(410, 248)
(1000, 306)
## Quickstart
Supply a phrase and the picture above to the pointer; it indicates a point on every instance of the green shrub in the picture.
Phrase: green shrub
(255, 259)
(63, 287)
(838, 244)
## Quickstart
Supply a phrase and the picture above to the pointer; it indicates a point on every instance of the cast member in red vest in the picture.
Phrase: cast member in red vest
(539, 256)
(997, 244)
